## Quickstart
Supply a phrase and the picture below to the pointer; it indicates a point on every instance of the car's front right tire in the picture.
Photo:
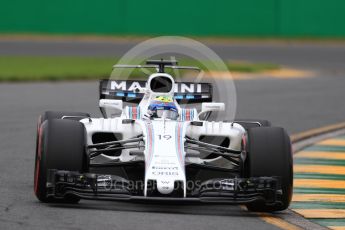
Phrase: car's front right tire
(60, 145)
(269, 154)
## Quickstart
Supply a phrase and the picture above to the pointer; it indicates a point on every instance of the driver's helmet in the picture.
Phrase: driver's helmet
(163, 106)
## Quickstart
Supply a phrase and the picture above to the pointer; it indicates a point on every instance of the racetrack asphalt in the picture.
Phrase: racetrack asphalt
(297, 104)
(319, 56)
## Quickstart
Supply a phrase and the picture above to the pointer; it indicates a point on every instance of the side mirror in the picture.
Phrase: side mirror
(111, 108)
(207, 107)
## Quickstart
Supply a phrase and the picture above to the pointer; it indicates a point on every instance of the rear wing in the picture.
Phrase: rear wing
(130, 91)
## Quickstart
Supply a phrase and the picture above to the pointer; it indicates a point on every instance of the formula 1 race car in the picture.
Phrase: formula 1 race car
(157, 150)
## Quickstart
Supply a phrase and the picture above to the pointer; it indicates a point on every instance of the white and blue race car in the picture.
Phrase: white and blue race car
(153, 149)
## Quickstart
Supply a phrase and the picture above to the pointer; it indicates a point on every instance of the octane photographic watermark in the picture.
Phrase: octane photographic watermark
(108, 184)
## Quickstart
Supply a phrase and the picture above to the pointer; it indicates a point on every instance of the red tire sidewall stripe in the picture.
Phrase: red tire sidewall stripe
(38, 159)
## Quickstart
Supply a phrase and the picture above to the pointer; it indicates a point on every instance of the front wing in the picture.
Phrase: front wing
(113, 188)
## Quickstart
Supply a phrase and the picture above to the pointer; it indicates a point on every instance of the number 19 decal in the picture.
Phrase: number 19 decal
(164, 137)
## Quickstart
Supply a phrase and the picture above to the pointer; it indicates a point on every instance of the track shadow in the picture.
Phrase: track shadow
(168, 208)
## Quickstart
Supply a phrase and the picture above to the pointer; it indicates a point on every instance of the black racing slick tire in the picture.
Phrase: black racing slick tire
(269, 154)
(49, 115)
(61, 146)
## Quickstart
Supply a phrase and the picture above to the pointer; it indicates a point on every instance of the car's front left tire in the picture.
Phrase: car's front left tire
(60, 145)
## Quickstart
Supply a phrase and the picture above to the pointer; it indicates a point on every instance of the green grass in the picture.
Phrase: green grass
(53, 68)
(27, 68)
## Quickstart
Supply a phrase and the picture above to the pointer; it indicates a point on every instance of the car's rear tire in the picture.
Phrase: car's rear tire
(49, 115)
(252, 123)
(270, 154)
(60, 145)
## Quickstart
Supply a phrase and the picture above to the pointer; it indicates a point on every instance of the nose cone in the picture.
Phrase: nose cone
(165, 186)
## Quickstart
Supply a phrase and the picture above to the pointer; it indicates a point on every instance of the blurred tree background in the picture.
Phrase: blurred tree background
(248, 18)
